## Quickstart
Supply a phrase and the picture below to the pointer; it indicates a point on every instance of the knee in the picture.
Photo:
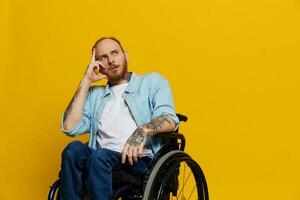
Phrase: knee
(72, 149)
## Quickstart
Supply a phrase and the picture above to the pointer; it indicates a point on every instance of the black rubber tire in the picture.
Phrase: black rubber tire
(54, 190)
(162, 169)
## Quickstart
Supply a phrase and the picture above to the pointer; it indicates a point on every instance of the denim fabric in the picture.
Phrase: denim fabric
(147, 96)
(84, 169)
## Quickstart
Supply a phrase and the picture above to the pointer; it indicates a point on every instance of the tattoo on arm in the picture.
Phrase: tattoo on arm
(157, 123)
(137, 137)
(70, 106)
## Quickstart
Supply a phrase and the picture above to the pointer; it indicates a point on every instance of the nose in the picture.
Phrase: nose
(110, 59)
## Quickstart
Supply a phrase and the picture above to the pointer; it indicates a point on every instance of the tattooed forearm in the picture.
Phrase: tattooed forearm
(137, 137)
(157, 123)
(70, 106)
(74, 111)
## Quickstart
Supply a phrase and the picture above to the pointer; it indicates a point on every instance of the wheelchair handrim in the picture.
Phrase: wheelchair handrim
(181, 156)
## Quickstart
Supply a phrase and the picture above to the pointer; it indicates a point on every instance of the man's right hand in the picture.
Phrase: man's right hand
(93, 72)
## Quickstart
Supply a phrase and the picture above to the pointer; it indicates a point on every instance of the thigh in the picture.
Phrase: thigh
(107, 157)
(139, 167)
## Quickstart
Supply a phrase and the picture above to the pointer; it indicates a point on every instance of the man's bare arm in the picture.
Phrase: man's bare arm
(74, 111)
(159, 124)
(135, 143)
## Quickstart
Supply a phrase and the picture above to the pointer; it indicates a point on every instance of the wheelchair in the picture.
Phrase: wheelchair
(172, 174)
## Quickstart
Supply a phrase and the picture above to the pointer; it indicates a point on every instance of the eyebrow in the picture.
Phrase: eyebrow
(105, 54)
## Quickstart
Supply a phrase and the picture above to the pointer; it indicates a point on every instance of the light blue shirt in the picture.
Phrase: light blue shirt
(147, 96)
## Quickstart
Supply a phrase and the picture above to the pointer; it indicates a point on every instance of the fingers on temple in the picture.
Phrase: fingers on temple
(93, 55)
(100, 64)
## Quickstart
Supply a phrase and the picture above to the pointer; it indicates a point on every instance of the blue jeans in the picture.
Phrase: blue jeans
(85, 169)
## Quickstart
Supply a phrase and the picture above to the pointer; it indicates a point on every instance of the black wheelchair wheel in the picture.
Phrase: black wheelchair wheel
(54, 191)
(176, 176)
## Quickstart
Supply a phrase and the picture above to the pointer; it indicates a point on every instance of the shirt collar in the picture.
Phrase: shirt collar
(131, 88)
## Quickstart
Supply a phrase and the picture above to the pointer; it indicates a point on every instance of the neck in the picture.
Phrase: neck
(124, 79)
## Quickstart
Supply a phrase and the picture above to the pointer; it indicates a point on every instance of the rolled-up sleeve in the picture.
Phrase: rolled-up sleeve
(84, 125)
(163, 103)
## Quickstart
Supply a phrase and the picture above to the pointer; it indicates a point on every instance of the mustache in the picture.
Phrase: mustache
(111, 66)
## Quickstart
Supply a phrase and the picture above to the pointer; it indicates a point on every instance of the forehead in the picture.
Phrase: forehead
(106, 45)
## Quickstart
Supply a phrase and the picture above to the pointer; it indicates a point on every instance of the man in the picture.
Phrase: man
(121, 118)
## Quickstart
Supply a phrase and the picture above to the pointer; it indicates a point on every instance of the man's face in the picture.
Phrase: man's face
(110, 54)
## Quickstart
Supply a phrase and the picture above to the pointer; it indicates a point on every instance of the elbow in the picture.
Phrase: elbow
(172, 124)
(67, 126)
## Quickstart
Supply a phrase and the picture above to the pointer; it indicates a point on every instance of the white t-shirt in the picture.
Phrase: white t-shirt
(116, 123)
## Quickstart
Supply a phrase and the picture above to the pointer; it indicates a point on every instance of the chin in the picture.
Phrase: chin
(119, 74)
(115, 76)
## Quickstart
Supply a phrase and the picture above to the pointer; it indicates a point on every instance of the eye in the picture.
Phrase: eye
(101, 58)
(115, 52)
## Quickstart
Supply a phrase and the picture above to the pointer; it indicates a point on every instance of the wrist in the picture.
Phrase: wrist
(86, 81)
(148, 131)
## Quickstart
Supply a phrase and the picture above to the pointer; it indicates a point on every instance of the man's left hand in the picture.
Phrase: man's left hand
(134, 145)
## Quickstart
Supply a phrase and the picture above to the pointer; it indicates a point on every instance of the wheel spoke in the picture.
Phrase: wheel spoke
(183, 177)
(171, 175)
(184, 184)
(192, 191)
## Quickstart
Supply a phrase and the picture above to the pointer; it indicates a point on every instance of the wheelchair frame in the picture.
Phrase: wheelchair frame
(150, 186)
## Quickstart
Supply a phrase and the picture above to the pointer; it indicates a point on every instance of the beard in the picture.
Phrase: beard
(121, 74)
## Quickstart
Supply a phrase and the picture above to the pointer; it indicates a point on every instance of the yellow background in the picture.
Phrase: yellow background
(233, 66)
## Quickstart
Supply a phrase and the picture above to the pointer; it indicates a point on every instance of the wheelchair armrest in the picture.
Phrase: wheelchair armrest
(173, 135)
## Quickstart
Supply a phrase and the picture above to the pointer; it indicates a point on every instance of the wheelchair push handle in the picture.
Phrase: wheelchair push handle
(182, 118)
